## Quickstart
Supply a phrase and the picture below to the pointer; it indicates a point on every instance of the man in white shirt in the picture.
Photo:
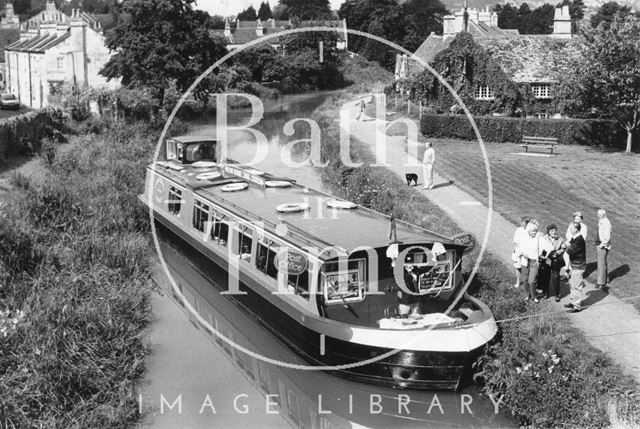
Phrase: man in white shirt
(603, 244)
(577, 217)
(427, 166)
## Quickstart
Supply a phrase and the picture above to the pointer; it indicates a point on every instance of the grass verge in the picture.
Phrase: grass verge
(546, 372)
(74, 285)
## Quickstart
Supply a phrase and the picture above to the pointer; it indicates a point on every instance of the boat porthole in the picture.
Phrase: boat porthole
(339, 204)
(204, 164)
(208, 176)
(292, 207)
(234, 187)
(277, 184)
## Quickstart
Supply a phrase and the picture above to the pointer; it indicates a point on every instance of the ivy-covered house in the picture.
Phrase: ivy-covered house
(494, 71)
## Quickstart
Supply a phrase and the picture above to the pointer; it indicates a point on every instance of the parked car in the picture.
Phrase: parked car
(9, 101)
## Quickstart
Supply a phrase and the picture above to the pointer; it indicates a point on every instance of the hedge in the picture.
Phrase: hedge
(23, 134)
(589, 132)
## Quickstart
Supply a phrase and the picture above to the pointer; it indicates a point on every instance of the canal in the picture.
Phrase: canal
(222, 386)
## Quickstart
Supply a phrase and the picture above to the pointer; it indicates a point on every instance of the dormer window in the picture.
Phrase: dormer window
(484, 92)
(541, 90)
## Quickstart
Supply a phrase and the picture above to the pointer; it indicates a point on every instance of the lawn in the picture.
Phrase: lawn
(552, 188)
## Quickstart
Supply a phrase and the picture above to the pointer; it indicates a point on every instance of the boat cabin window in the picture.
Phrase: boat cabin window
(265, 262)
(339, 286)
(200, 215)
(175, 200)
(245, 240)
(300, 283)
(438, 277)
(220, 229)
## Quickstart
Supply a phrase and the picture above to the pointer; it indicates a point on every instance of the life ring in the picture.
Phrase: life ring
(277, 184)
(339, 204)
(292, 207)
(234, 187)
(209, 176)
(203, 164)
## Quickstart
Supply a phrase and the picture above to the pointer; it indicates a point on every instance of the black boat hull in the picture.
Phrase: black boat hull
(405, 369)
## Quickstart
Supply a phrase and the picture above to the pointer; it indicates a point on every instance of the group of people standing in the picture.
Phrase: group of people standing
(541, 260)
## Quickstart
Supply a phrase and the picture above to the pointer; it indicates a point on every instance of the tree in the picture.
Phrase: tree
(308, 9)
(421, 18)
(608, 12)
(249, 14)
(508, 16)
(264, 12)
(161, 42)
(281, 12)
(607, 78)
(539, 21)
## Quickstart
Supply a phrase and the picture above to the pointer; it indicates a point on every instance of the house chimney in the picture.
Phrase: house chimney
(61, 30)
(562, 23)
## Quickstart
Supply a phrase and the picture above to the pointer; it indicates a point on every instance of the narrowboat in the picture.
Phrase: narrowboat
(331, 279)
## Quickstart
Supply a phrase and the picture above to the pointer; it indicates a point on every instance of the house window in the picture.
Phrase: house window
(541, 90)
(484, 92)
(175, 200)
(200, 215)
(60, 63)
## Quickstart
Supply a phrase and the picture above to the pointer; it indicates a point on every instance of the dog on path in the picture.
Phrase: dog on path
(411, 177)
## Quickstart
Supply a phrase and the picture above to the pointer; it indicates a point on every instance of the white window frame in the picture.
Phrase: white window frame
(484, 92)
(361, 271)
(60, 63)
(541, 91)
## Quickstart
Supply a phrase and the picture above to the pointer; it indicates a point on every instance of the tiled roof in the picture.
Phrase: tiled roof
(531, 58)
(38, 43)
(525, 58)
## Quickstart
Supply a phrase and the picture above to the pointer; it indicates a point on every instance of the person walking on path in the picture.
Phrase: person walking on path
(361, 114)
(519, 235)
(576, 262)
(427, 166)
(533, 247)
(554, 261)
(603, 245)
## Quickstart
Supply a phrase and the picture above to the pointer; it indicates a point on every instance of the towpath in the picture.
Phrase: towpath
(610, 324)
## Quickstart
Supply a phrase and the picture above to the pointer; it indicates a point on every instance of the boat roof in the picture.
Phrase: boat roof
(320, 226)
(192, 139)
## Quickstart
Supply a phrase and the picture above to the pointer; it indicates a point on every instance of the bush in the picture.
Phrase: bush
(23, 134)
(589, 132)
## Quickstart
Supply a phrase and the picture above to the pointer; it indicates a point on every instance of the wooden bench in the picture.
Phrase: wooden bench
(539, 142)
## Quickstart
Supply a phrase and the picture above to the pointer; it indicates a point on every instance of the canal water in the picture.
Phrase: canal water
(301, 399)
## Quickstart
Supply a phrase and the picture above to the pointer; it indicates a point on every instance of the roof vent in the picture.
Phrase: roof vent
(203, 164)
(234, 187)
(338, 204)
(209, 176)
(292, 207)
(277, 184)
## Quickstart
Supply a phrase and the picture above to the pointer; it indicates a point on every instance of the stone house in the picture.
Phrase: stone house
(495, 71)
(53, 49)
